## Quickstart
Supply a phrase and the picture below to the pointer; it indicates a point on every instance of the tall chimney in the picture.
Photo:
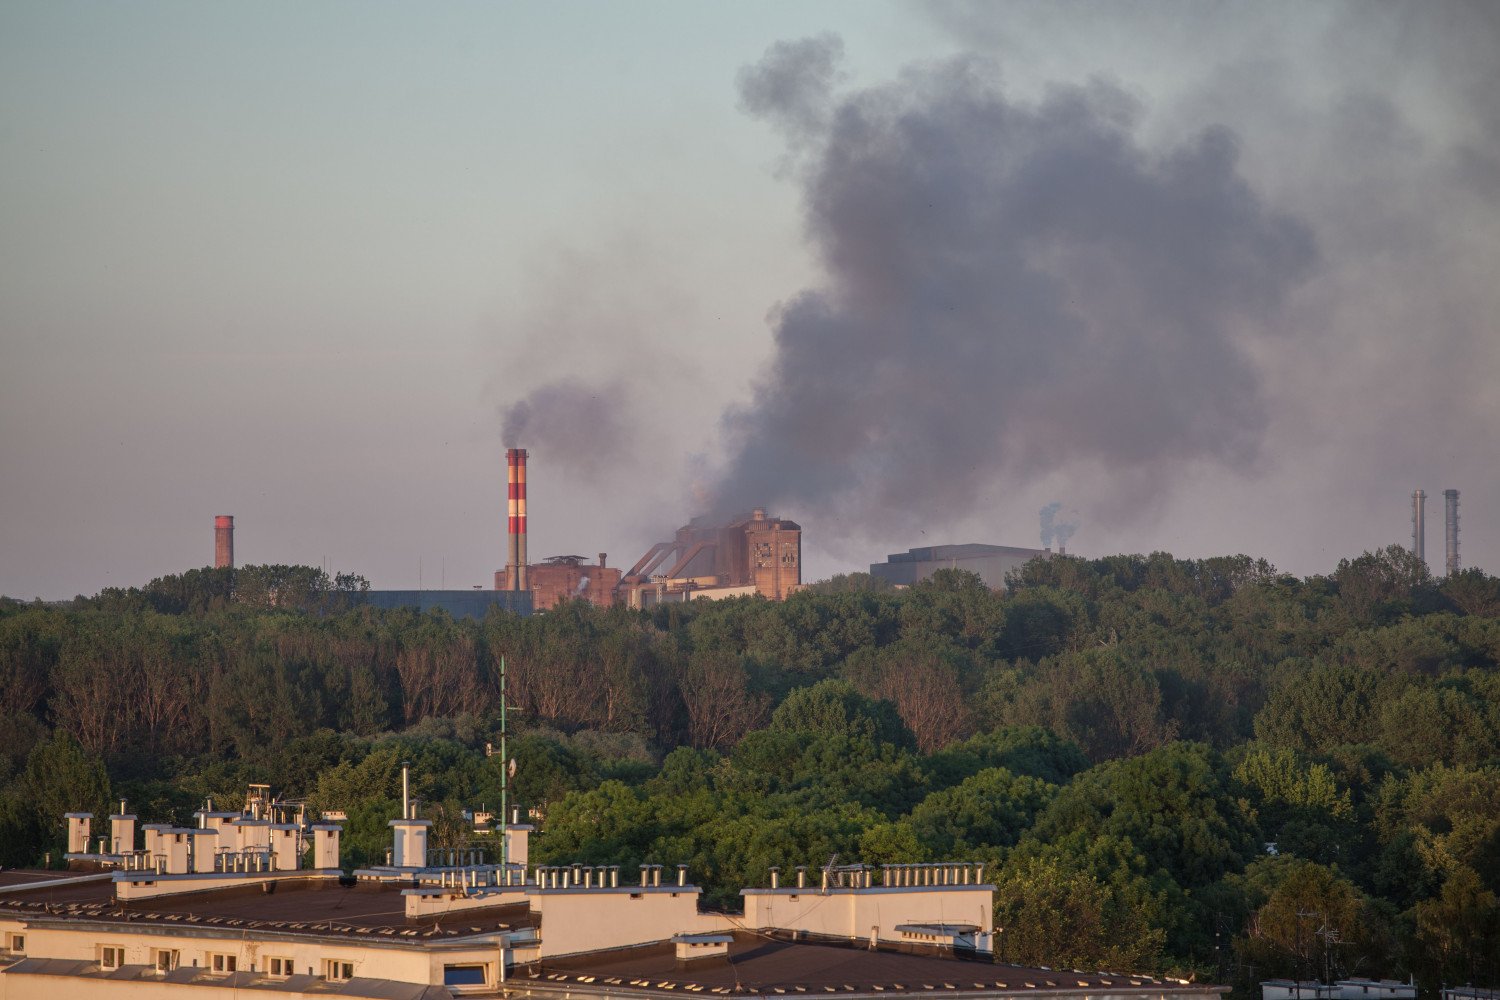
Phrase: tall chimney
(515, 467)
(1419, 525)
(224, 541)
(1450, 533)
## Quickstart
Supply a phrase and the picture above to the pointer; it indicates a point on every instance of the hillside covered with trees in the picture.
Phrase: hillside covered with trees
(1200, 767)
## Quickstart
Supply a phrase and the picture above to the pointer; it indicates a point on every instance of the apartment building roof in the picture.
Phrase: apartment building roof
(312, 906)
(765, 964)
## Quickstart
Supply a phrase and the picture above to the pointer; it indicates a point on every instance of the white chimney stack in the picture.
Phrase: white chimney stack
(326, 845)
(121, 832)
(78, 831)
(202, 845)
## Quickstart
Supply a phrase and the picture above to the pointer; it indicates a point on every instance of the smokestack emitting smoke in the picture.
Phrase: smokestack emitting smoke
(1047, 513)
(224, 541)
(515, 567)
(586, 426)
(1450, 530)
(1055, 530)
(1011, 289)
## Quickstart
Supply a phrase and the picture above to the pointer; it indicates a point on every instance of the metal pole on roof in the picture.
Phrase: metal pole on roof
(504, 779)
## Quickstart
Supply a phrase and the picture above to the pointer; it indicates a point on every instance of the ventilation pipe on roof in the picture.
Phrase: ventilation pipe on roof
(775, 877)
(682, 875)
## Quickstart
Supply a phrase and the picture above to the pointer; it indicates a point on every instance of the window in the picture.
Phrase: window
(17, 942)
(279, 966)
(337, 970)
(166, 959)
(222, 963)
(465, 975)
(111, 956)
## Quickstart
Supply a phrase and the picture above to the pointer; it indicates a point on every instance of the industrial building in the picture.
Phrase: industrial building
(556, 579)
(748, 554)
(230, 907)
(568, 578)
(751, 553)
(990, 562)
(475, 603)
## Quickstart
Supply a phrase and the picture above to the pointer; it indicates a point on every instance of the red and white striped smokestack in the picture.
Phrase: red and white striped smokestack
(224, 541)
(515, 467)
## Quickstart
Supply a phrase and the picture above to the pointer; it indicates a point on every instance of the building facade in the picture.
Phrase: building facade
(990, 562)
(253, 902)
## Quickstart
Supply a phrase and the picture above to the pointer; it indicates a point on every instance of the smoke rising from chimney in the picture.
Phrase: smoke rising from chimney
(1054, 530)
(1010, 290)
(575, 424)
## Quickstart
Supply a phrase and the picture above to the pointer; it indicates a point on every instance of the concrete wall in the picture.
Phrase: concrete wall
(856, 914)
(578, 920)
(990, 562)
(434, 901)
(458, 603)
(144, 885)
(420, 964)
(552, 584)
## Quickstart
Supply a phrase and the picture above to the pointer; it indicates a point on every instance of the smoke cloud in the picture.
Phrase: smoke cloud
(1010, 289)
(580, 424)
(1054, 530)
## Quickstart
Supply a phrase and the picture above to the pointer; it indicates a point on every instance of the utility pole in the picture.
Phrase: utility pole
(504, 785)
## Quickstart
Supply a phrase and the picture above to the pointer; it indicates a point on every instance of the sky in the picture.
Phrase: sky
(1212, 278)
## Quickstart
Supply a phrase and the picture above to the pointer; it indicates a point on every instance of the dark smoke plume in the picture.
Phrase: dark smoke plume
(1054, 530)
(579, 424)
(1010, 290)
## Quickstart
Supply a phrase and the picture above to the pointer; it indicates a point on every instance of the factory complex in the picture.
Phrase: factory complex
(990, 563)
(254, 902)
(747, 554)
(752, 553)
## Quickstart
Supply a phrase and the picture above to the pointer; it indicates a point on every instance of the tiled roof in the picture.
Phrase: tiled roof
(311, 907)
(367, 989)
(775, 966)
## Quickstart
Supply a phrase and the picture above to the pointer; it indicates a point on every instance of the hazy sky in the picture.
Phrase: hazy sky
(1217, 277)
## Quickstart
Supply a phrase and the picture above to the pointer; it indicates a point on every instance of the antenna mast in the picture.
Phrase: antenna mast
(504, 784)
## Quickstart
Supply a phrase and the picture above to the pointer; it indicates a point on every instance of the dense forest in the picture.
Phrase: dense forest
(1200, 767)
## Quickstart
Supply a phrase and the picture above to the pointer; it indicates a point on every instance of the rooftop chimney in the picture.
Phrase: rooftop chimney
(1450, 502)
(515, 566)
(224, 541)
(1419, 525)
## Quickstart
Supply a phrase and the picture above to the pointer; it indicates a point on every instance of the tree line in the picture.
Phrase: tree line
(1190, 765)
